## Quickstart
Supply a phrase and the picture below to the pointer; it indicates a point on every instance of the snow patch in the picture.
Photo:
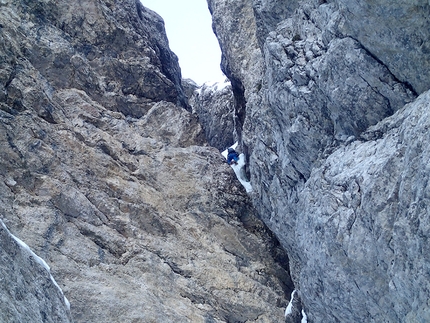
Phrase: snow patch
(289, 308)
(304, 318)
(38, 260)
(216, 86)
(240, 173)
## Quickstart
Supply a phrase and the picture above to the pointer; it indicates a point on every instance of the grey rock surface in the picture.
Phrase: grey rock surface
(324, 131)
(116, 52)
(214, 104)
(107, 176)
(242, 63)
(366, 208)
(397, 33)
(28, 291)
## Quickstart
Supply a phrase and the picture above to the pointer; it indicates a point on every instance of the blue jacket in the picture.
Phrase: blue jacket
(232, 155)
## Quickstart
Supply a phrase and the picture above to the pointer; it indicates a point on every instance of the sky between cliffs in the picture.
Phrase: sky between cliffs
(189, 29)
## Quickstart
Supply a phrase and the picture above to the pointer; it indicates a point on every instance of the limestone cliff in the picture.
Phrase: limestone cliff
(107, 175)
(337, 146)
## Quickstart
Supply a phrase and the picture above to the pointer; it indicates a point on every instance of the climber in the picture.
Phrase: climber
(232, 157)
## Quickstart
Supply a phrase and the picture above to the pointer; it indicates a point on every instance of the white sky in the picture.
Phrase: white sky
(189, 29)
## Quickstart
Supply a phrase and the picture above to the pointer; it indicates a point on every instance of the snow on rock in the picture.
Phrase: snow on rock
(289, 308)
(304, 318)
(239, 170)
(216, 86)
(39, 260)
(294, 310)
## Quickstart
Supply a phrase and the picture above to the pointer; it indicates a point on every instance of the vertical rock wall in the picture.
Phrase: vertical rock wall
(108, 177)
(335, 192)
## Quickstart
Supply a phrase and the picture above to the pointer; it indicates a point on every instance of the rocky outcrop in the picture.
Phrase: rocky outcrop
(241, 60)
(122, 62)
(29, 293)
(136, 224)
(214, 105)
(325, 131)
(108, 177)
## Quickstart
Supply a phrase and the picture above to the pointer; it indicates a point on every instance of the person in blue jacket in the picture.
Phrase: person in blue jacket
(232, 156)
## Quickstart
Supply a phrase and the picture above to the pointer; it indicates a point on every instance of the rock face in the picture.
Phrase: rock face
(241, 60)
(366, 208)
(337, 159)
(29, 294)
(108, 177)
(122, 62)
(396, 33)
(214, 104)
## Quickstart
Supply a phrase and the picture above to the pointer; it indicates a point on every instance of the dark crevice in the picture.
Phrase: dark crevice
(239, 97)
(269, 148)
(406, 84)
(14, 147)
(46, 114)
(11, 77)
(177, 270)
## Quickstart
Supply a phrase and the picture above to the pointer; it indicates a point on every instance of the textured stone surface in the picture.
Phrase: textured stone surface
(366, 208)
(108, 178)
(214, 105)
(397, 33)
(28, 293)
(116, 52)
(334, 186)
(136, 221)
(235, 27)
